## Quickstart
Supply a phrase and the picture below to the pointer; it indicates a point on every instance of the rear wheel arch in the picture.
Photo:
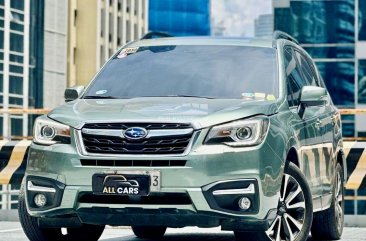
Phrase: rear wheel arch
(341, 159)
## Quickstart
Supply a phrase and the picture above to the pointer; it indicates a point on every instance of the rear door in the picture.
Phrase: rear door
(306, 126)
(327, 119)
(322, 117)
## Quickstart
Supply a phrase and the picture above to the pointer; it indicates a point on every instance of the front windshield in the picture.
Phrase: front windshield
(223, 72)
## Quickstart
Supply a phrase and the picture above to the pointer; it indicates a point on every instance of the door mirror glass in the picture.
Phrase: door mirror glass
(313, 96)
(73, 93)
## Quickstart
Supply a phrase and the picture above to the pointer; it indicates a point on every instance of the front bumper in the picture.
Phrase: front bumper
(207, 167)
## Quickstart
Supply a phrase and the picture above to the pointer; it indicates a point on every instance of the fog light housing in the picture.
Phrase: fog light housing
(40, 200)
(244, 203)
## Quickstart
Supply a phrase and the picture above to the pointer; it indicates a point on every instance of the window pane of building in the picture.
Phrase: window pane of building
(15, 85)
(16, 127)
(1, 39)
(362, 15)
(17, 27)
(16, 42)
(339, 79)
(1, 125)
(16, 69)
(17, 4)
(362, 81)
(15, 101)
(16, 58)
(321, 52)
(320, 21)
(1, 83)
(17, 17)
(348, 125)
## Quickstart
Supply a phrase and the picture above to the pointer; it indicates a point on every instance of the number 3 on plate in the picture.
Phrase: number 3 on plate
(155, 181)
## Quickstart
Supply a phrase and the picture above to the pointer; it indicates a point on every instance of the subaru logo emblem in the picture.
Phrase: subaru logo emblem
(135, 133)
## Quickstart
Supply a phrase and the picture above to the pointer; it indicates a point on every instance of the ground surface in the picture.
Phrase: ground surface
(11, 231)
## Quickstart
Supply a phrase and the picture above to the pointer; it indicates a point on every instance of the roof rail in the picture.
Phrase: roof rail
(282, 35)
(152, 35)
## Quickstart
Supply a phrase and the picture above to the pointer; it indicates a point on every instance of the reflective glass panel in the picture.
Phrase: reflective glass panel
(362, 20)
(318, 21)
(362, 81)
(344, 52)
(339, 79)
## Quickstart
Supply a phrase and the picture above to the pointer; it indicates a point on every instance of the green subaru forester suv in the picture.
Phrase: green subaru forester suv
(176, 132)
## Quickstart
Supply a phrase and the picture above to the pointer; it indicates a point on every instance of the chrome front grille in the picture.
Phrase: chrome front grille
(107, 138)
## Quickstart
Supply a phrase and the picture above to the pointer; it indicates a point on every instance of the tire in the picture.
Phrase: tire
(36, 233)
(294, 211)
(328, 224)
(149, 232)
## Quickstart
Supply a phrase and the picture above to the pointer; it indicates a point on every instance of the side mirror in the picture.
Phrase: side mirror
(313, 96)
(73, 93)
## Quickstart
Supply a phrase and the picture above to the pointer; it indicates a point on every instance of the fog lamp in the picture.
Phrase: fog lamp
(244, 203)
(40, 200)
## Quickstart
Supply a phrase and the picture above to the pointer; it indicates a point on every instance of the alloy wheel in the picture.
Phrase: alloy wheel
(339, 201)
(290, 212)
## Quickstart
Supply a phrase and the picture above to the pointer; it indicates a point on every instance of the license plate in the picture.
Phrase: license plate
(138, 183)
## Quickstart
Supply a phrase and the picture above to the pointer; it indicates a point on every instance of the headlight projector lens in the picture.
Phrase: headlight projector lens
(244, 133)
(48, 132)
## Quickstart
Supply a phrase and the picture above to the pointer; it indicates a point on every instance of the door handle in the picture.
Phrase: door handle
(318, 124)
(334, 119)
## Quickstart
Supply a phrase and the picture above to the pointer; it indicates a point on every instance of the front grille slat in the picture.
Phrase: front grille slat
(149, 126)
(133, 163)
(103, 144)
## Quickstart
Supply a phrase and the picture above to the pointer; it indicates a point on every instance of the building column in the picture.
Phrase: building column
(6, 122)
(26, 65)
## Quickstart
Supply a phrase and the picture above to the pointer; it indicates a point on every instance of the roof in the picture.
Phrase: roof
(266, 43)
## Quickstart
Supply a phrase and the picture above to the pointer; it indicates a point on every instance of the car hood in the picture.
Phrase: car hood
(199, 112)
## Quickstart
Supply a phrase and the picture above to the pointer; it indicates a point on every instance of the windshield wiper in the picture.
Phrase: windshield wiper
(192, 96)
(99, 97)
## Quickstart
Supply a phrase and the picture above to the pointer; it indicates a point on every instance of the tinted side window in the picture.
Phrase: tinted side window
(307, 69)
(295, 82)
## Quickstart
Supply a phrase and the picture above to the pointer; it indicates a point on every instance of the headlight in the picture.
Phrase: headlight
(49, 132)
(248, 132)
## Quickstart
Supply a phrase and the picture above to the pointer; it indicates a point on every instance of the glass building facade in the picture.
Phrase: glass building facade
(180, 17)
(334, 34)
(20, 46)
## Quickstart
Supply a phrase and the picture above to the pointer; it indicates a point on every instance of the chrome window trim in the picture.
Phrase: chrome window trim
(151, 133)
(82, 151)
